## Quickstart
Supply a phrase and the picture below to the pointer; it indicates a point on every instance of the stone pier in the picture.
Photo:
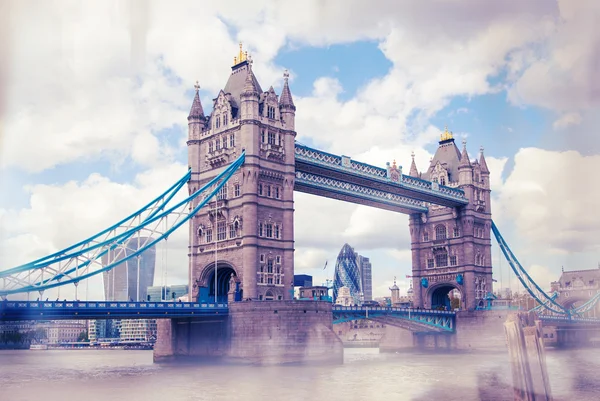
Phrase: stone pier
(264, 333)
(475, 331)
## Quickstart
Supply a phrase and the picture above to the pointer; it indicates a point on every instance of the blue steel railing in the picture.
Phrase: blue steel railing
(436, 320)
(57, 310)
(325, 159)
(358, 191)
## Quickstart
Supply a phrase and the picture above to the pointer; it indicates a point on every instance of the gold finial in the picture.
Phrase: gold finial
(412, 154)
(286, 75)
(242, 56)
(197, 86)
(394, 165)
(446, 134)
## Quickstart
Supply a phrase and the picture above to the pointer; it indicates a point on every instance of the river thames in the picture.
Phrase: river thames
(101, 375)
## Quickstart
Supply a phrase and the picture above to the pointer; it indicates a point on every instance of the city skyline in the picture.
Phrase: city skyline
(376, 94)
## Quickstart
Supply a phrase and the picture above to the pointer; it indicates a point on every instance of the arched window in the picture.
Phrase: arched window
(440, 232)
(425, 236)
(443, 180)
(477, 259)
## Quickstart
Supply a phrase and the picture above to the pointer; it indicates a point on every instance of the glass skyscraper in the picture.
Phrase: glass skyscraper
(121, 282)
(347, 274)
(353, 271)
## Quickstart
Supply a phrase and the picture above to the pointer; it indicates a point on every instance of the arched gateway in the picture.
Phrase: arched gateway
(251, 227)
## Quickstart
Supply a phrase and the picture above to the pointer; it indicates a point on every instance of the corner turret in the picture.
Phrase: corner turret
(485, 172)
(287, 108)
(249, 96)
(465, 170)
(196, 124)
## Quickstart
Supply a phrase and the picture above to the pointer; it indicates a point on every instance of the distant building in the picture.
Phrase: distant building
(302, 280)
(575, 287)
(317, 293)
(64, 331)
(103, 330)
(138, 331)
(364, 266)
(354, 272)
(166, 293)
(344, 297)
(121, 282)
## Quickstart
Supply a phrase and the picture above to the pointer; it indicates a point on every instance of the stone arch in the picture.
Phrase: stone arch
(573, 301)
(438, 295)
(207, 281)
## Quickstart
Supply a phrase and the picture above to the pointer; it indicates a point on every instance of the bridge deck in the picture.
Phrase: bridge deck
(77, 310)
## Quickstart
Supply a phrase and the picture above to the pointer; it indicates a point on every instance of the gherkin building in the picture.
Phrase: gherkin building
(347, 274)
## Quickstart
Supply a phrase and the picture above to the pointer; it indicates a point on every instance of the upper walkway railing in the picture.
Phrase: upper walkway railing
(342, 163)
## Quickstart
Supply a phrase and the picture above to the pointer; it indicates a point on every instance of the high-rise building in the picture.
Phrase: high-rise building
(364, 265)
(353, 271)
(347, 274)
(121, 282)
(166, 293)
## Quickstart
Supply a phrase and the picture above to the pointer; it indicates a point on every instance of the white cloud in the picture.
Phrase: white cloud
(566, 120)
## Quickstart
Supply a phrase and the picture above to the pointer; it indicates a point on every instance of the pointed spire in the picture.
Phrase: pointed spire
(196, 111)
(286, 95)
(464, 156)
(413, 167)
(482, 163)
(250, 88)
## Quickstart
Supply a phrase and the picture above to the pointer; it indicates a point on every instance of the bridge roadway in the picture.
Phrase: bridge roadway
(418, 320)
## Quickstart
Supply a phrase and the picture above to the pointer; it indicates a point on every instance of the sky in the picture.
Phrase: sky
(94, 98)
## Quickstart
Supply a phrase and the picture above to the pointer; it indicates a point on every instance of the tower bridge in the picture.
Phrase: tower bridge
(244, 167)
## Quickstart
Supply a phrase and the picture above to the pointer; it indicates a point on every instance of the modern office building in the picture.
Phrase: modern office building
(121, 282)
(138, 331)
(364, 265)
(166, 293)
(354, 272)
(347, 274)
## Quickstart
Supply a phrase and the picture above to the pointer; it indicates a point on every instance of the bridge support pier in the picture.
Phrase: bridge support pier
(263, 333)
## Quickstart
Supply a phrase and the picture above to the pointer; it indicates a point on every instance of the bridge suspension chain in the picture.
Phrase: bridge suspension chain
(84, 259)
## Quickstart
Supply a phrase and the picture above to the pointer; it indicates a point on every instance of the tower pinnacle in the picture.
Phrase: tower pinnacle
(286, 100)
(196, 111)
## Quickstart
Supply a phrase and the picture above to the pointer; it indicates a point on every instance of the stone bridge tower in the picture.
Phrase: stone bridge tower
(250, 224)
(451, 247)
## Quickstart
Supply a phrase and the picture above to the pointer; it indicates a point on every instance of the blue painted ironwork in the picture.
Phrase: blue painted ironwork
(64, 268)
(547, 303)
(77, 310)
(426, 320)
(359, 192)
(376, 174)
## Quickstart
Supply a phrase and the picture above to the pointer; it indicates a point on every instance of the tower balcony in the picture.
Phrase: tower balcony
(219, 156)
(272, 151)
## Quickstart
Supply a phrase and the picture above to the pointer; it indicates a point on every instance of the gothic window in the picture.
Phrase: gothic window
(260, 229)
(218, 144)
(425, 236)
(453, 261)
(208, 235)
(477, 259)
(271, 112)
(277, 192)
(260, 188)
(440, 232)
(218, 122)
(225, 119)
(269, 191)
(430, 263)
(231, 140)
(443, 180)
(200, 232)
(262, 258)
(269, 230)
(271, 138)
(210, 147)
(222, 194)
(236, 228)
(236, 190)
(262, 136)
(270, 281)
(277, 280)
(278, 260)
(270, 266)
(231, 231)
(277, 231)
(221, 231)
(441, 260)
